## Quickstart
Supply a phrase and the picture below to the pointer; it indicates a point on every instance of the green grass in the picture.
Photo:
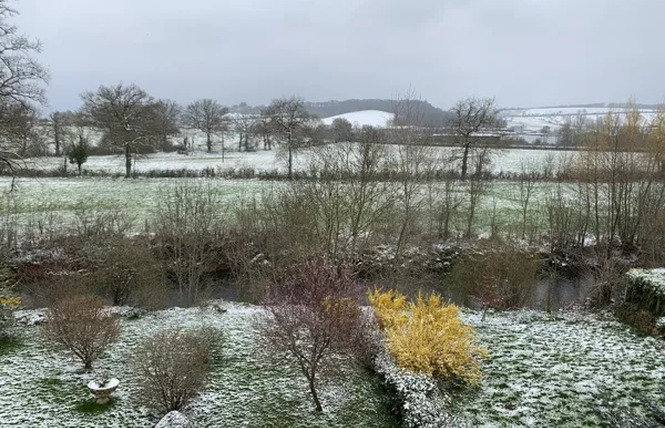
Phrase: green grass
(91, 407)
(9, 344)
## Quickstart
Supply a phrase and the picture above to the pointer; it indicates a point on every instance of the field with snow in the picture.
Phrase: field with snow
(534, 119)
(51, 205)
(41, 387)
(544, 370)
(505, 160)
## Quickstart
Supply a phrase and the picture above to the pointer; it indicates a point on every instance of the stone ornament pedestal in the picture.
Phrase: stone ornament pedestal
(103, 392)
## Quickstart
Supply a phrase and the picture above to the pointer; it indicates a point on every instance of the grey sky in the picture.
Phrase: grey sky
(523, 52)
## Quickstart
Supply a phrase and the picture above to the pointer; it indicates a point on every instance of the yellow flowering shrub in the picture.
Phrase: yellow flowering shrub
(11, 302)
(427, 335)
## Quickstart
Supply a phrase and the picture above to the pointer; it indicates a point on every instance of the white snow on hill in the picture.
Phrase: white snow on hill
(534, 119)
(376, 118)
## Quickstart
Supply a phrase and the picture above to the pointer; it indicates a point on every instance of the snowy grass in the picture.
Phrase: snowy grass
(557, 370)
(52, 204)
(506, 161)
(43, 387)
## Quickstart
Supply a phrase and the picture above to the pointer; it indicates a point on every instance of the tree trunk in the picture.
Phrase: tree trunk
(290, 163)
(465, 161)
(209, 142)
(57, 143)
(315, 397)
(128, 161)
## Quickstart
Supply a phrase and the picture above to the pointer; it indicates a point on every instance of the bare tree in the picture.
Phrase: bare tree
(313, 315)
(414, 161)
(342, 130)
(189, 221)
(245, 126)
(21, 78)
(525, 188)
(125, 114)
(19, 130)
(165, 116)
(288, 122)
(207, 116)
(58, 124)
(470, 117)
(83, 326)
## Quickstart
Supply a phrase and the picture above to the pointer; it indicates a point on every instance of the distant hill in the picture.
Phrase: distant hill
(432, 116)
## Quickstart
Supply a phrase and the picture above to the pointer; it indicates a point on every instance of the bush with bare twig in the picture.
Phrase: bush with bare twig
(314, 314)
(83, 326)
(172, 366)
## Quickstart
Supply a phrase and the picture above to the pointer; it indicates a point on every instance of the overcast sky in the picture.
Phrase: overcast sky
(523, 52)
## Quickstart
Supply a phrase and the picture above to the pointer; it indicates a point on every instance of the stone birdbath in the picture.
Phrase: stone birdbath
(102, 389)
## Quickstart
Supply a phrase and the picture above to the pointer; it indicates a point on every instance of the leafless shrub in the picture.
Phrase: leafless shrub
(504, 278)
(102, 224)
(189, 225)
(313, 315)
(128, 273)
(83, 326)
(171, 367)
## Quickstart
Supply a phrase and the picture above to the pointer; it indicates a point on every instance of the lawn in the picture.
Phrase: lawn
(562, 370)
(545, 370)
(41, 386)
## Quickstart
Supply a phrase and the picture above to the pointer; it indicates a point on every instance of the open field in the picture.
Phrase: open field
(44, 387)
(506, 161)
(54, 203)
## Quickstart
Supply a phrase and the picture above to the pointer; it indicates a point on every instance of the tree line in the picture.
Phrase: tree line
(132, 122)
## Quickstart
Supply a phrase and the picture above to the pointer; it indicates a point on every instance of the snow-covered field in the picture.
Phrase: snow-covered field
(43, 387)
(507, 160)
(534, 119)
(375, 118)
(562, 370)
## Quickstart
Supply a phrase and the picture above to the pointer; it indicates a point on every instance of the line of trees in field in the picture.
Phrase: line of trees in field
(132, 122)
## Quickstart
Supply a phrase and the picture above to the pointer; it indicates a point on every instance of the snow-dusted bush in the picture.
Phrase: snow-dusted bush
(174, 419)
(422, 403)
(646, 287)
(172, 366)
(82, 325)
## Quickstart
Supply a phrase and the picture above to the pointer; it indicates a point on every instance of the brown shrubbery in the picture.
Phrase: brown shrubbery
(499, 279)
(172, 366)
(83, 326)
(314, 314)
(128, 273)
